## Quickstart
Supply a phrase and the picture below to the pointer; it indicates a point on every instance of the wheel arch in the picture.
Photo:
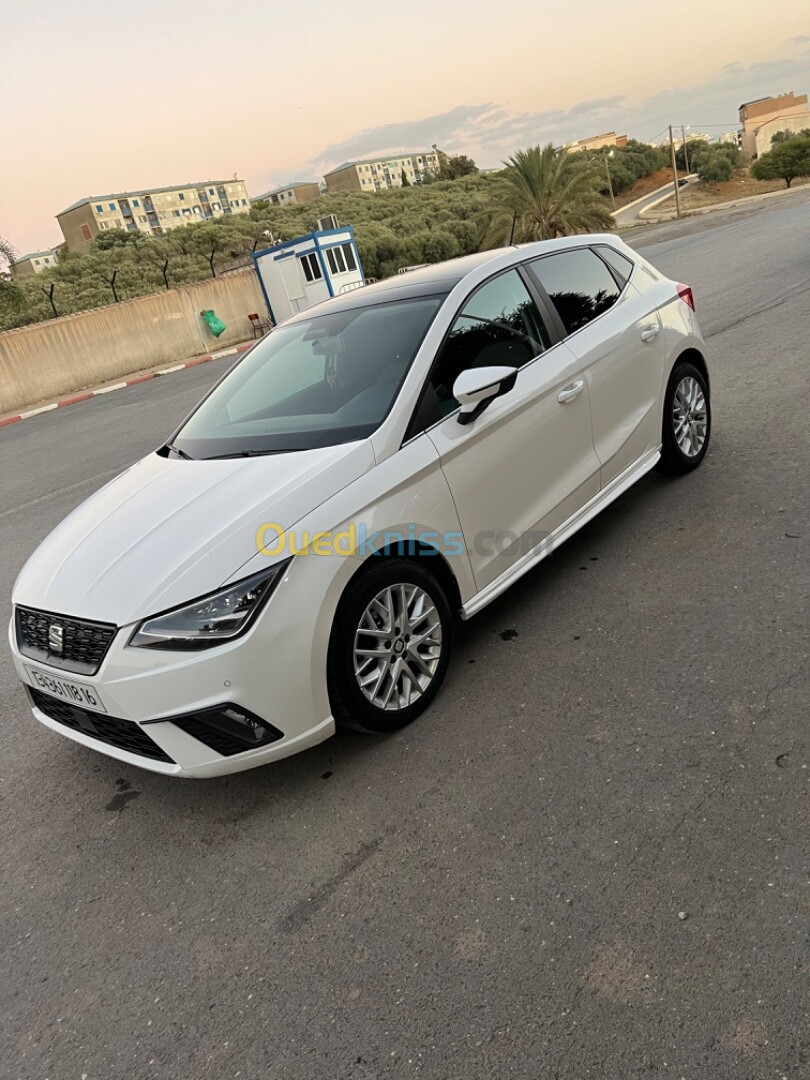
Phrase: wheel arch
(696, 357)
(425, 555)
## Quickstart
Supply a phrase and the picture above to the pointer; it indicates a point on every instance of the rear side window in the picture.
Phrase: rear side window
(579, 284)
(621, 266)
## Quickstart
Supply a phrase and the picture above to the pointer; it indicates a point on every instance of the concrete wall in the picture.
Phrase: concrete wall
(756, 116)
(57, 357)
(344, 180)
(306, 193)
(762, 136)
(75, 224)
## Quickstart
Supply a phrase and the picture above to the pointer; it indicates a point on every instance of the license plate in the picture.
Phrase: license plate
(74, 693)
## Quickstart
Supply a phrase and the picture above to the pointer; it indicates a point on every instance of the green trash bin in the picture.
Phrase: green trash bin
(213, 322)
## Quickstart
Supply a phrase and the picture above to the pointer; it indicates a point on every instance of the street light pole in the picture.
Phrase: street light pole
(685, 151)
(609, 180)
(674, 173)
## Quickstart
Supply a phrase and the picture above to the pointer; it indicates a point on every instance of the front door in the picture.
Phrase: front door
(527, 463)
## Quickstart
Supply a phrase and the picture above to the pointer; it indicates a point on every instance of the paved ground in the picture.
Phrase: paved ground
(496, 891)
(631, 215)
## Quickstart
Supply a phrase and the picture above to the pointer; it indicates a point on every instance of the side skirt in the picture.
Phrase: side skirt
(615, 488)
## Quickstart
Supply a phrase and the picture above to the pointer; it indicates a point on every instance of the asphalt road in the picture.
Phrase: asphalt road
(496, 891)
(630, 215)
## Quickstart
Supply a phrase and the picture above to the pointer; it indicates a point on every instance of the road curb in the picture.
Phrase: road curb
(61, 403)
(641, 198)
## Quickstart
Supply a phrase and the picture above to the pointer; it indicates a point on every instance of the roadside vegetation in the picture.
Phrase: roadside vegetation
(788, 158)
(542, 191)
(543, 194)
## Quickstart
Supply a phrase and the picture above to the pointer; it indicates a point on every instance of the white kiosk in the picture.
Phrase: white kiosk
(299, 273)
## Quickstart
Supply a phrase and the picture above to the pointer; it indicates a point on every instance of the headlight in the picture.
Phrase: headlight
(221, 616)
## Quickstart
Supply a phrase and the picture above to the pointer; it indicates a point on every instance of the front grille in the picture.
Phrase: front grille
(84, 644)
(124, 734)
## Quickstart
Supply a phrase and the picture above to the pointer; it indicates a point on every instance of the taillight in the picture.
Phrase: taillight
(685, 294)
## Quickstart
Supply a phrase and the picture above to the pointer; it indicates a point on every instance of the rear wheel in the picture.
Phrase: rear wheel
(390, 646)
(687, 421)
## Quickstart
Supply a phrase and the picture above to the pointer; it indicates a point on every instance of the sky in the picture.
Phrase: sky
(103, 97)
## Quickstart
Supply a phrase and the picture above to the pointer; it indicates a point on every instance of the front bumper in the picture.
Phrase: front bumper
(275, 672)
(173, 741)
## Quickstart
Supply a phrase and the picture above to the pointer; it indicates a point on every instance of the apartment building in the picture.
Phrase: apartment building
(35, 263)
(152, 211)
(762, 118)
(597, 142)
(302, 191)
(382, 174)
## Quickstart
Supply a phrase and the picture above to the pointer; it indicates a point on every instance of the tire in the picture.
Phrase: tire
(687, 423)
(400, 677)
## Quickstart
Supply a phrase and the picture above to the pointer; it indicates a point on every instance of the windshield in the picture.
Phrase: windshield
(326, 380)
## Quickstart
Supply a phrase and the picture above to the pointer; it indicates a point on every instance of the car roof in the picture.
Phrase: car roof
(438, 279)
(434, 280)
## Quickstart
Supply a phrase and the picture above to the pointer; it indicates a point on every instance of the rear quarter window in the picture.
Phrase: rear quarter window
(621, 266)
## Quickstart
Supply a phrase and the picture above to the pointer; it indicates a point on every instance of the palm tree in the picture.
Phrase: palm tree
(546, 193)
(8, 252)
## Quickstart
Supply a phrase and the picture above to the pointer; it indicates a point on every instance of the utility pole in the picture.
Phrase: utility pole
(512, 233)
(674, 173)
(685, 151)
(609, 180)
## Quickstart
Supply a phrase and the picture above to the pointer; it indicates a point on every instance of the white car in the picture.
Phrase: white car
(294, 557)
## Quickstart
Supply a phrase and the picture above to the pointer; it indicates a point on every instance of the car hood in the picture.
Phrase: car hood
(167, 531)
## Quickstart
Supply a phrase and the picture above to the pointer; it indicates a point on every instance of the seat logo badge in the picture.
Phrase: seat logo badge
(56, 638)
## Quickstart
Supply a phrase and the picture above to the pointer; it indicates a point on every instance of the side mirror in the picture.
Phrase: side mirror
(475, 388)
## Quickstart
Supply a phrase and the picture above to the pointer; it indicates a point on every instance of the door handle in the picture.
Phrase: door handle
(649, 333)
(568, 393)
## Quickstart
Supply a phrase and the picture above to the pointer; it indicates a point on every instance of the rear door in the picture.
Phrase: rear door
(615, 332)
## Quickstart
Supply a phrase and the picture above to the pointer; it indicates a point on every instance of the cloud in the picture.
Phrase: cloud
(486, 129)
(491, 133)
(405, 134)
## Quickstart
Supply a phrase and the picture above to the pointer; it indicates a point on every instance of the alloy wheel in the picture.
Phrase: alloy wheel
(689, 417)
(397, 647)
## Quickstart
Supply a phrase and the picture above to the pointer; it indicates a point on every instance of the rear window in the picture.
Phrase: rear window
(621, 266)
(579, 285)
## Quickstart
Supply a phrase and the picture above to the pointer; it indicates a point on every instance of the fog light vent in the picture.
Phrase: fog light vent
(228, 729)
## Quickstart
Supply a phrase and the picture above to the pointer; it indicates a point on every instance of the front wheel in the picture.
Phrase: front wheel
(390, 646)
(687, 422)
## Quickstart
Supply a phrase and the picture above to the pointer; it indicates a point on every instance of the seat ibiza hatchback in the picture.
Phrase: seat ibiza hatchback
(294, 556)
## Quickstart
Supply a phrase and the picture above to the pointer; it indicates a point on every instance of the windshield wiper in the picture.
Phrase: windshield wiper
(180, 453)
(252, 454)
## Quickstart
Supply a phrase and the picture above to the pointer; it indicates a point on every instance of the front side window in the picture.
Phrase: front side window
(579, 284)
(325, 380)
(499, 325)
